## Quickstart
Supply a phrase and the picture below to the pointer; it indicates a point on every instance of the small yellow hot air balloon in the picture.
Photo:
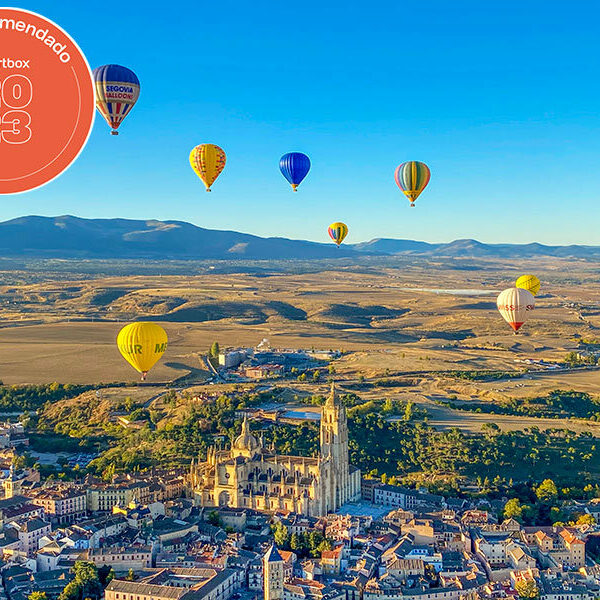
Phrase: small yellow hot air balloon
(142, 344)
(337, 232)
(530, 283)
(208, 161)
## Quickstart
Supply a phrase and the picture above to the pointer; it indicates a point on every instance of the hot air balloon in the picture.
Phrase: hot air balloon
(294, 166)
(142, 344)
(337, 232)
(515, 305)
(208, 161)
(412, 177)
(530, 283)
(117, 90)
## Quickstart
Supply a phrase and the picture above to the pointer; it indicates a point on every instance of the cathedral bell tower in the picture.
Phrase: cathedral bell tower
(273, 574)
(334, 451)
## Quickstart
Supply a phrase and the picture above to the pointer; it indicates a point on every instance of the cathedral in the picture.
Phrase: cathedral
(250, 476)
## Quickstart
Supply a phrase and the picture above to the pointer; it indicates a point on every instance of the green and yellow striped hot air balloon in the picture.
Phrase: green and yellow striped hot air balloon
(412, 177)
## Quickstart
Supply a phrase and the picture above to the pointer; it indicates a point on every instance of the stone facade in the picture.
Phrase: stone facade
(250, 476)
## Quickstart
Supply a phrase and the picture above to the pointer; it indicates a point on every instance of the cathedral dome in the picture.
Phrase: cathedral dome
(246, 441)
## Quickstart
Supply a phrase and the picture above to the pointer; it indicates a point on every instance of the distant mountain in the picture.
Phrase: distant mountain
(475, 249)
(73, 237)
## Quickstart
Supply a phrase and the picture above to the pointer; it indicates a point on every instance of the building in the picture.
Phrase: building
(103, 497)
(123, 558)
(230, 359)
(405, 498)
(178, 584)
(30, 532)
(61, 505)
(13, 435)
(331, 561)
(273, 570)
(264, 371)
(250, 476)
(12, 484)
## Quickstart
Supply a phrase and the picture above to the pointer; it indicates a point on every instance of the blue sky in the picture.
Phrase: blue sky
(500, 99)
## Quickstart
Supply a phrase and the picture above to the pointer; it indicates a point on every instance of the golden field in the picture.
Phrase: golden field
(413, 320)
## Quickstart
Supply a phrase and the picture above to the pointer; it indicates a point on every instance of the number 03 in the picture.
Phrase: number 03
(16, 93)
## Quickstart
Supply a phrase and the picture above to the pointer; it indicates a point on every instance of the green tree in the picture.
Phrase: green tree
(214, 350)
(513, 510)
(296, 543)
(585, 520)
(85, 584)
(130, 575)
(316, 375)
(214, 518)
(281, 535)
(37, 596)
(547, 491)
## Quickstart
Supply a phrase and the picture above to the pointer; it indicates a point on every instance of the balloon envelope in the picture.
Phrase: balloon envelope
(412, 177)
(117, 90)
(294, 167)
(530, 283)
(142, 344)
(207, 160)
(515, 305)
(337, 232)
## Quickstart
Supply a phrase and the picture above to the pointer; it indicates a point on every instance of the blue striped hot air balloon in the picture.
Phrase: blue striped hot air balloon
(294, 167)
(117, 90)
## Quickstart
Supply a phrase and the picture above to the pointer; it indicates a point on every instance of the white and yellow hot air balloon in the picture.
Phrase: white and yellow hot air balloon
(142, 344)
(530, 283)
(515, 305)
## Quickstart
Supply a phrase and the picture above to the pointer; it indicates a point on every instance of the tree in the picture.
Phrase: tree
(527, 589)
(106, 574)
(547, 491)
(281, 535)
(214, 518)
(130, 575)
(295, 542)
(586, 519)
(37, 596)
(85, 584)
(214, 350)
(513, 510)
(316, 375)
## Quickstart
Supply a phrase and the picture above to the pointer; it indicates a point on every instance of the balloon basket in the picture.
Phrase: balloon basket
(114, 132)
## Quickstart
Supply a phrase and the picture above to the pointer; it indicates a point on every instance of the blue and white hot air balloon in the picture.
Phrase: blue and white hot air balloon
(117, 90)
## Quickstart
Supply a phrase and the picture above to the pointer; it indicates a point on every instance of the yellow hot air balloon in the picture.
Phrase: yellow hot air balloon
(337, 232)
(208, 161)
(142, 344)
(530, 283)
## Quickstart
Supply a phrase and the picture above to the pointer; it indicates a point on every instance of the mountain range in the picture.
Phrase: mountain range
(74, 237)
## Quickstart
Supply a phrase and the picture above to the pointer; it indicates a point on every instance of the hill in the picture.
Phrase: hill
(74, 237)
(474, 249)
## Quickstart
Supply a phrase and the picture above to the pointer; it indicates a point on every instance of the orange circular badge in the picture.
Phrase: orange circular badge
(46, 100)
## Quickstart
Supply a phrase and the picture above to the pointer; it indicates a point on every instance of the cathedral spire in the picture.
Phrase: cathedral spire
(332, 399)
